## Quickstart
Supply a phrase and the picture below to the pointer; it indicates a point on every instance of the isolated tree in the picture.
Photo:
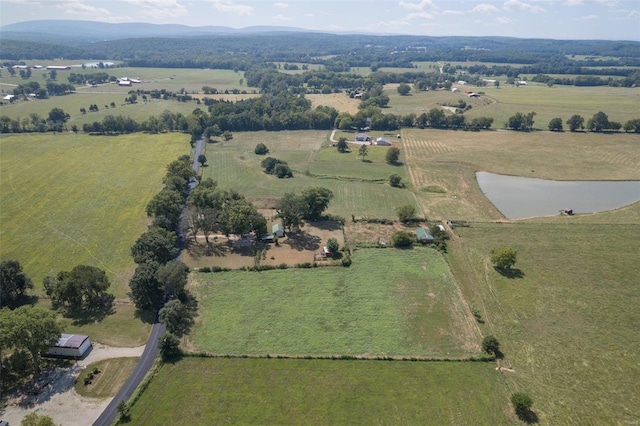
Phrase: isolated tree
(575, 122)
(240, 216)
(332, 245)
(406, 213)
(169, 347)
(632, 125)
(490, 345)
(503, 258)
(555, 125)
(57, 115)
(395, 181)
(599, 122)
(342, 145)
(227, 135)
(522, 404)
(404, 89)
(291, 209)
(363, 152)
(30, 328)
(261, 149)
(157, 245)
(317, 200)
(202, 159)
(392, 156)
(14, 284)
(177, 317)
(402, 239)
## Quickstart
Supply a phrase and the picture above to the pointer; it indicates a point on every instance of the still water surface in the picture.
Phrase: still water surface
(519, 197)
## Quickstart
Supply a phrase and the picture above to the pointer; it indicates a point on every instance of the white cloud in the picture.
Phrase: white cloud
(511, 5)
(608, 3)
(452, 12)
(420, 15)
(230, 7)
(281, 5)
(160, 10)
(281, 18)
(424, 4)
(485, 8)
(502, 20)
(589, 17)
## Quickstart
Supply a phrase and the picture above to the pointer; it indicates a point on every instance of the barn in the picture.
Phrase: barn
(383, 142)
(277, 230)
(424, 236)
(71, 346)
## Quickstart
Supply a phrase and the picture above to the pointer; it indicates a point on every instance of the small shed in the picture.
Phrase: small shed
(363, 137)
(424, 236)
(71, 346)
(383, 142)
(277, 230)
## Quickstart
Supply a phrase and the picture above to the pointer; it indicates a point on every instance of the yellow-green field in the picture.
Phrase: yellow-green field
(74, 199)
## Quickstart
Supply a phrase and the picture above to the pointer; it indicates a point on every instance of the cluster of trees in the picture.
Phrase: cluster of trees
(311, 204)
(55, 121)
(79, 291)
(278, 168)
(225, 211)
(598, 123)
(92, 78)
(520, 121)
(51, 89)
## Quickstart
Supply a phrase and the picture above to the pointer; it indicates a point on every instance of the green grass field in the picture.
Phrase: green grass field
(74, 199)
(569, 326)
(106, 384)
(388, 303)
(360, 188)
(271, 391)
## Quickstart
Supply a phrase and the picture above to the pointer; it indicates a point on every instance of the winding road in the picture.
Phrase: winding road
(150, 353)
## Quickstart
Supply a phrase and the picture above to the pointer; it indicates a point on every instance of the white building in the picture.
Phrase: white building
(71, 345)
(383, 142)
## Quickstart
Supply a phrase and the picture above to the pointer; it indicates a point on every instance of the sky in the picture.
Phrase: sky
(558, 19)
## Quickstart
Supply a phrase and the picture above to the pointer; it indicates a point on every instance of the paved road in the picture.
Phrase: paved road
(144, 364)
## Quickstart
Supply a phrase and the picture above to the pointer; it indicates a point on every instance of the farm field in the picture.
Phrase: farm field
(442, 164)
(568, 326)
(106, 384)
(74, 199)
(619, 103)
(388, 303)
(359, 188)
(323, 392)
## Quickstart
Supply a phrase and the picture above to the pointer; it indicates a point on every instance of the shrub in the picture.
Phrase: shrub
(406, 212)
(522, 405)
(392, 156)
(332, 245)
(503, 257)
(395, 181)
(490, 345)
(261, 149)
(403, 239)
(282, 171)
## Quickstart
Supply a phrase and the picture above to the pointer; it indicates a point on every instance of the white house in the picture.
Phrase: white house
(71, 345)
(277, 230)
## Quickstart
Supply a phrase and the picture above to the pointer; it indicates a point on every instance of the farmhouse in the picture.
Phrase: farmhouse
(58, 67)
(71, 346)
(277, 230)
(383, 142)
(424, 236)
(363, 137)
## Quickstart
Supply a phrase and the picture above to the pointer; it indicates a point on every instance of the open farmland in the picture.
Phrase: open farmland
(359, 187)
(322, 392)
(388, 303)
(74, 199)
(569, 325)
(442, 164)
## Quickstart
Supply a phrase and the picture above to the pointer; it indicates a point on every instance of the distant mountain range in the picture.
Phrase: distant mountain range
(83, 32)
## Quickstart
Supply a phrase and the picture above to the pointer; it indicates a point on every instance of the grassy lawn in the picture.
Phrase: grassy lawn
(74, 199)
(131, 331)
(389, 302)
(113, 373)
(271, 391)
(106, 384)
(360, 188)
(569, 326)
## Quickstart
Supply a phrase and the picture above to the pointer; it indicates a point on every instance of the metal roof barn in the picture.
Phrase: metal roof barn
(71, 345)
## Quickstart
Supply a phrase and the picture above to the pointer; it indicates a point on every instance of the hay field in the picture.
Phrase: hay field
(74, 199)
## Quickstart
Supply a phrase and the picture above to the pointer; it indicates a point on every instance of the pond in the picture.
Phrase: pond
(519, 197)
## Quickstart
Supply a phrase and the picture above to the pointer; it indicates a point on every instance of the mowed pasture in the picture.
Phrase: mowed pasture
(568, 326)
(208, 391)
(388, 303)
(360, 188)
(441, 164)
(72, 199)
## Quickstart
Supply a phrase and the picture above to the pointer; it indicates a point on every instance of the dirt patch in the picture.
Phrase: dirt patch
(294, 247)
(56, 396)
